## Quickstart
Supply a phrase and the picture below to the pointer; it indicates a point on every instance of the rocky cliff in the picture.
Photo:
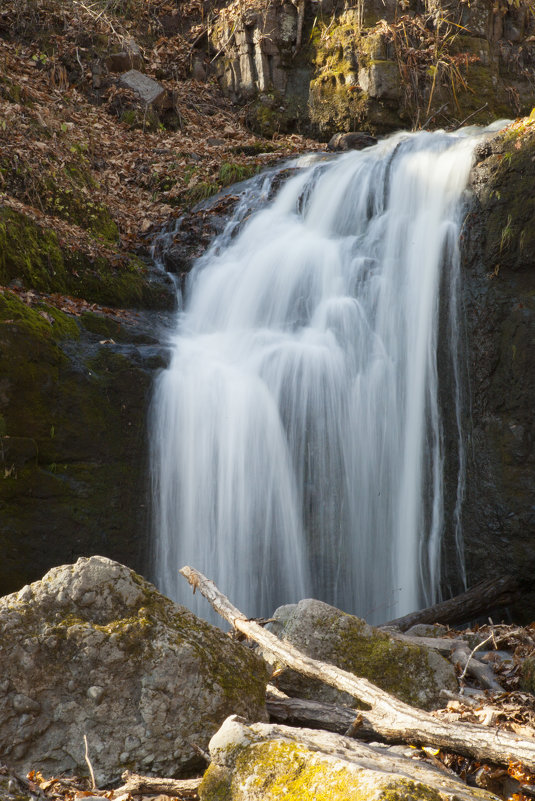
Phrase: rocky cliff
(499, 302)
(322, 66)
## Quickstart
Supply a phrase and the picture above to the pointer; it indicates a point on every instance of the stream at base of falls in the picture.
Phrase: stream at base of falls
(299, 435)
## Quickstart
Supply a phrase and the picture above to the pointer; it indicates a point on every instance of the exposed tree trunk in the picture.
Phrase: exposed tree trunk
(478, 600)
(149, 785)
(389, 717)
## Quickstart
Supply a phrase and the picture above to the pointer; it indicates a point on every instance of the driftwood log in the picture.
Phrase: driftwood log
(478, 600)
(150, 785)
(388, 717)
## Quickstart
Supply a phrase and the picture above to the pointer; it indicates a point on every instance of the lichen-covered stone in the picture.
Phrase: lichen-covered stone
(92, 649)
(277, 763)
(412, 673)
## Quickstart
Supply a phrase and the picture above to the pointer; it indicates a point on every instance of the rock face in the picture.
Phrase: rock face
(94, 649)
(414, 674)
(499, 301)
(378, 65)
(271, 763)
(74, 398)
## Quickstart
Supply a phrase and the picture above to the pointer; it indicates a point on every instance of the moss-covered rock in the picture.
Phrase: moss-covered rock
(275, 763)
(74, 394)
(34, 255)
(106, 656)
(410, 672)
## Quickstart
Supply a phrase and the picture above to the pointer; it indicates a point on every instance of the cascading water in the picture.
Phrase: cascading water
(297, 439)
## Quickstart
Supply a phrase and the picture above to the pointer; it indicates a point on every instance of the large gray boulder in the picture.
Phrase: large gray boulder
(92, 649)
(268, 763)
(412, 673)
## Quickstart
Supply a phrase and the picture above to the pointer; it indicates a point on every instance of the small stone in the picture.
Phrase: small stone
(96, 693)
(23, 703)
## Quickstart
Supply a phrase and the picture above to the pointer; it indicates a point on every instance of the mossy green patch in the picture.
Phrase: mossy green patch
(230, 173)
(411, 673)
(42, 320)
(509, 205)
(34, 255)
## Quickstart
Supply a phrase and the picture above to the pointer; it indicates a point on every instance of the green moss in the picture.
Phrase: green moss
(230, 173)
(43, 320)
(201, 191)
(509, 205)
(30, 253)
(215, 785)
(404, 670)
(34, 255)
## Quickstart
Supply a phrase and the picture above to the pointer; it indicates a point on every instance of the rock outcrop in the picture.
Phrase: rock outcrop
(412, 673)
(94, 650)
(499, 303)
(378, 65)
(74, 399)
(270, 763)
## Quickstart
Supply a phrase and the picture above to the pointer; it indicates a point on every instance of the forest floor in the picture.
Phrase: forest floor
(70, 135)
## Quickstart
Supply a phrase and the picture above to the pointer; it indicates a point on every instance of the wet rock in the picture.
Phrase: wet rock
(414, 674)
(74, 396)
(92, 649)
(356, 140)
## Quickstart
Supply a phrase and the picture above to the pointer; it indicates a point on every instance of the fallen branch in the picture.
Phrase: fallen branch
(389, 717)
(476, 601)
(317, 715)
(149, 785)
(478, 670)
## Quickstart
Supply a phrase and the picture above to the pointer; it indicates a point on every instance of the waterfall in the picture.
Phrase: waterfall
(297, 445)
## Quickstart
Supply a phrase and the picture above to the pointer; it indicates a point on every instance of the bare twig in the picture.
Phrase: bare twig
(470, 655)
(90, 766)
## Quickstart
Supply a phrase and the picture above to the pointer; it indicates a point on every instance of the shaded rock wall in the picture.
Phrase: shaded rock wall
(74, 394)
(499, 301)
(377, 65)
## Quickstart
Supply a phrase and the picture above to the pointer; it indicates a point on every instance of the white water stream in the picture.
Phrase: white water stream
(298, 448)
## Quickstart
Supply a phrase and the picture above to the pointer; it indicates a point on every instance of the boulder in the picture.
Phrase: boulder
(92, 650)
(150, 92)
(412, 673)
(527, 675)
(265, 762)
